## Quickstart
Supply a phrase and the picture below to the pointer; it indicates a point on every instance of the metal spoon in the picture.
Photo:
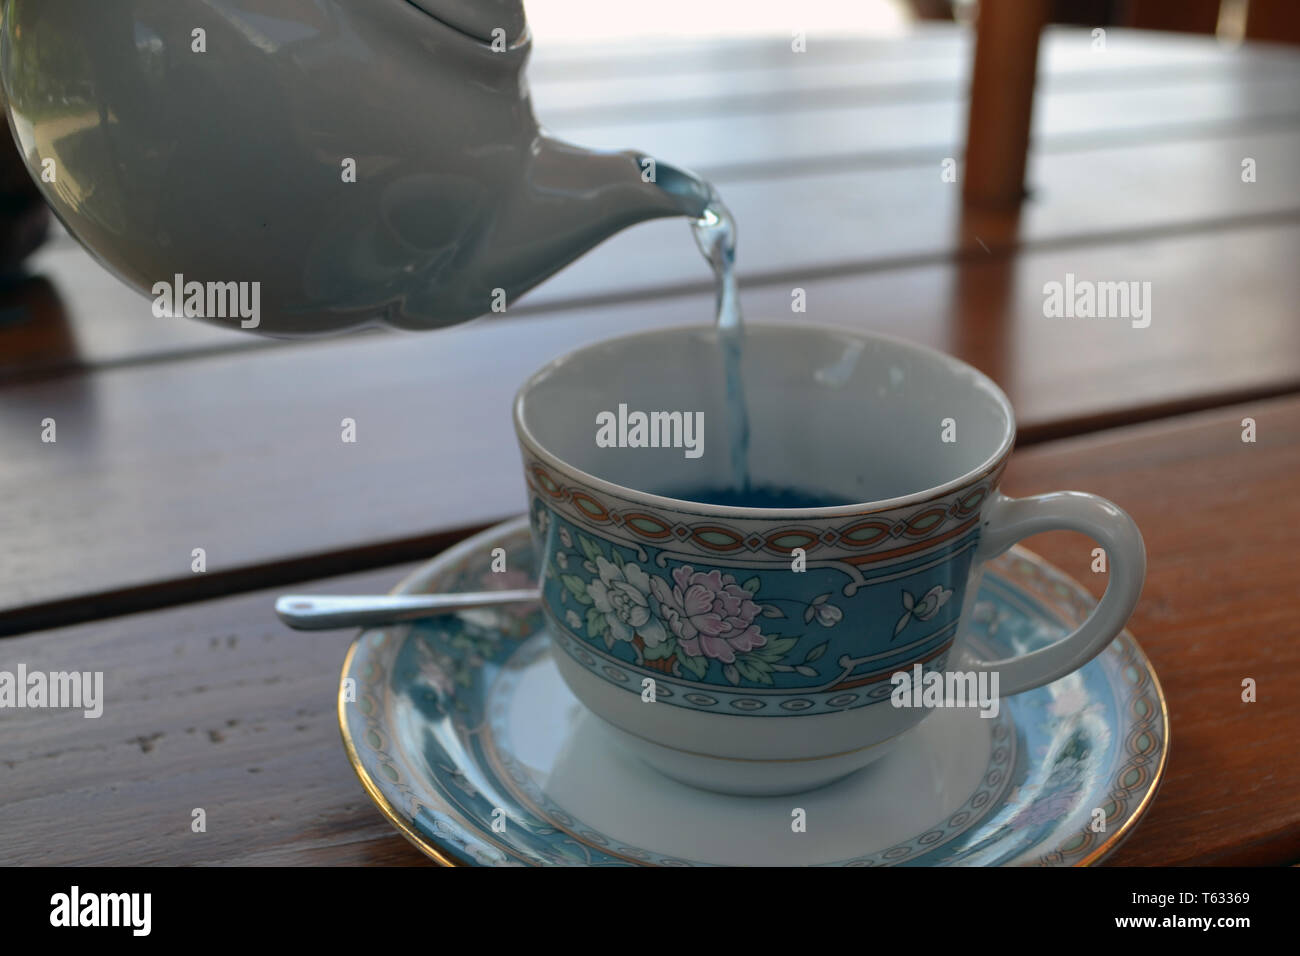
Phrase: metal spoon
(323, 612)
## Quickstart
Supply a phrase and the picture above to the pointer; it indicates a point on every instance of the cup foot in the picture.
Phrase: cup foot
(749, 778)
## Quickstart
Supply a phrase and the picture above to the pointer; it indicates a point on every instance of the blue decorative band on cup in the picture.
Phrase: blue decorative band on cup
(745, 633)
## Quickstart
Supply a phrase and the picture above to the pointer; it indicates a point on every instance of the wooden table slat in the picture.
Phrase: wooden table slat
(827, 224)
(217, 706)
(720, 147)
(1065, 63)
(897, 55)
(217, 452)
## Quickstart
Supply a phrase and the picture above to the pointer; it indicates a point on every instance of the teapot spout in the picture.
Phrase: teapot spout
(611, 190)
(572, 199)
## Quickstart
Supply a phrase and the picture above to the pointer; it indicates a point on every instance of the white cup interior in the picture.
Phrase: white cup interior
(850, 417)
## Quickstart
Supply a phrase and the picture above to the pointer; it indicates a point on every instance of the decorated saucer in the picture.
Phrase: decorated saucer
(466, 738)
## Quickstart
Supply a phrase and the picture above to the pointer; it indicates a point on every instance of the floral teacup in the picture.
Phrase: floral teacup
(756, 649)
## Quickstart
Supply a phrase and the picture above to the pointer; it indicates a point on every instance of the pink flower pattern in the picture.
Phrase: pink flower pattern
(709, 613)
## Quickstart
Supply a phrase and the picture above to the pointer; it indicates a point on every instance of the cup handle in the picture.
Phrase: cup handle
(1008, 520)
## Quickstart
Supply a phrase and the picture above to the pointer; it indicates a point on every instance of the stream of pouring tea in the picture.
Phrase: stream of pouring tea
(715, 234)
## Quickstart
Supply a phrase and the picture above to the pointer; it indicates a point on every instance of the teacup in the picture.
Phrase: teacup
(753, 649)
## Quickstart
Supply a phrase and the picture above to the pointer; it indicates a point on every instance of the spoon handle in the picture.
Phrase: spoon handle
(323, 612)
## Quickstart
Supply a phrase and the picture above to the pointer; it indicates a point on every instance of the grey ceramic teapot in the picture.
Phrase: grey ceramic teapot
(362, 161)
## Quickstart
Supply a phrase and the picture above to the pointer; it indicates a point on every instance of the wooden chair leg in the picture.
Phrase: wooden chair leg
(1002, 100)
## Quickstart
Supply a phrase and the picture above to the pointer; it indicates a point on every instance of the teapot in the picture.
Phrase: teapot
(356, 162)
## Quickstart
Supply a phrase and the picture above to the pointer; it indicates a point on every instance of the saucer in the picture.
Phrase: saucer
(467, 739)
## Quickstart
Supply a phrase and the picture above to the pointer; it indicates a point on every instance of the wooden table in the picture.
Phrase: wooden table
(174, 436)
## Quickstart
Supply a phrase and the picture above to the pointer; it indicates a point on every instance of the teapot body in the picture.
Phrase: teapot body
(353, 161)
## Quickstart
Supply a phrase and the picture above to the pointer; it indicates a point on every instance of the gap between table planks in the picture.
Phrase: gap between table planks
(215, 705)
